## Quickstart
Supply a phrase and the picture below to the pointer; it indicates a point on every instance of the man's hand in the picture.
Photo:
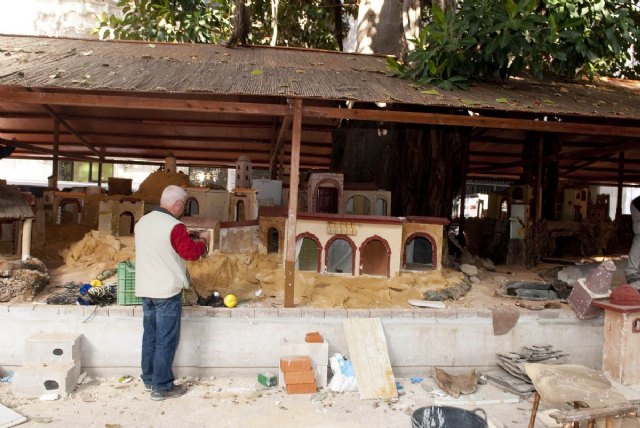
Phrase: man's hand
(204, 235)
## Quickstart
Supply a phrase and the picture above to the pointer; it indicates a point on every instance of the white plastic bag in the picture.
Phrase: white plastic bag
(340, 382)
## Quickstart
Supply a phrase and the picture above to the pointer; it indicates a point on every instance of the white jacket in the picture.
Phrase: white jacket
(160, 271)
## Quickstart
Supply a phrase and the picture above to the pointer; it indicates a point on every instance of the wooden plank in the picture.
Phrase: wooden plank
(370, 358)
(10, 418)
(585, 414)
(475, 121)
(294, 179)
(137, 102)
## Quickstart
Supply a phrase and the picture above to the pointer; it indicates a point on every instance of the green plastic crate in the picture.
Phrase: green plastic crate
(127, 284)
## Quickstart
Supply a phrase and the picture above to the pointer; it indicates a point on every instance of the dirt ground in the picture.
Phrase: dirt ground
(79, 255)
(242, 403)
(76, 254)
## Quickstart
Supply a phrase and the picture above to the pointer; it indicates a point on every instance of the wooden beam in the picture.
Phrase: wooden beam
(148, 103)
(620, 185)
(538, 189)
(56, 151)
(70, 129)
(497, 166)
(286, 122)
(599, 151)
(43, 150)
(294, 181)
(471, 121)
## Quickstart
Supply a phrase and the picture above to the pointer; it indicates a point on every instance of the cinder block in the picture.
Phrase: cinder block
(53, 348)
(33, 380)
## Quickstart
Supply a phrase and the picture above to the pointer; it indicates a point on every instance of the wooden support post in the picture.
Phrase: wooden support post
(538, 195)
(56, 144)
(294, 178)
(534, 410)
(100, 160)
(463, 186)
(620, 184)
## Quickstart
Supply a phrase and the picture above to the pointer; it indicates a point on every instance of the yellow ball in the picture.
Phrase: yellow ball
(95, 283)
(230, 301)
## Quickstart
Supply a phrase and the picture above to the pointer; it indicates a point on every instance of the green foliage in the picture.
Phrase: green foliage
(303, 23)
(494, 39)
(167, 21)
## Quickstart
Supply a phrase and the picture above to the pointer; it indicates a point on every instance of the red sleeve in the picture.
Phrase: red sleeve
(184, 245)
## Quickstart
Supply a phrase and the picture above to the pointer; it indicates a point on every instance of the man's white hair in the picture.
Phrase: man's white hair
(171, 194)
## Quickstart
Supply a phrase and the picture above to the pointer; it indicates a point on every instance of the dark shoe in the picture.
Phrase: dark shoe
(175, 392)
(148, 388)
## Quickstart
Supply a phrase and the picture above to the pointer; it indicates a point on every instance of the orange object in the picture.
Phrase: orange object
(296, 363)
(291, 378)
(314, 337)
(301, 388)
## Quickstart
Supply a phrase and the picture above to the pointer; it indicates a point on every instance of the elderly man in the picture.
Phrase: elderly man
(632, 270)
(162, 248)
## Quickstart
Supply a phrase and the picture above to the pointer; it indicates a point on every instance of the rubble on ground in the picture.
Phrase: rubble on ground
(20, 281)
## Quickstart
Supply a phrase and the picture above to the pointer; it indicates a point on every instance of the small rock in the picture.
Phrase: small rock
(469, 269)
(488, 265)
(319, 396)
(474, 279)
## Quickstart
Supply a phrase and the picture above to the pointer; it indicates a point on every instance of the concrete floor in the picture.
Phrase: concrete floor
(240, 402)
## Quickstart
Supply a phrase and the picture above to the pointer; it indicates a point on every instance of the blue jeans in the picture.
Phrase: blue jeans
(161, 323)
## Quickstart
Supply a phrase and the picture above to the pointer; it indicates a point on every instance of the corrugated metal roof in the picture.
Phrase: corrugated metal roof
(13, 204)
(38, 62)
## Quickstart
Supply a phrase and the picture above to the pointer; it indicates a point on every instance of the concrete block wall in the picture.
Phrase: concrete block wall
(51, 364)
(247, 340)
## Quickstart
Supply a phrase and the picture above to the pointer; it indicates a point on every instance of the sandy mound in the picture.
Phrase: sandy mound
(98, 247)
(244, 274)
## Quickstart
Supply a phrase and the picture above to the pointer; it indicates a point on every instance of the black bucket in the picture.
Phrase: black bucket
(448, 417)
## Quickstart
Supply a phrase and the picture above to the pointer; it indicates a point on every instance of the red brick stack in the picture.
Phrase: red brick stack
(298, 375)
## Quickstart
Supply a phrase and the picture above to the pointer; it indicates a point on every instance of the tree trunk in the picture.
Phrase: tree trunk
(379, 27)
(411, 10)
(241, 24)
(274, 21)
(420, 165)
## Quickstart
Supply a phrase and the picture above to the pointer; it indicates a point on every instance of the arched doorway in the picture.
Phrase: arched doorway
(308, 254)
(240, 211)
(327, 200)
(69, 212)
(339, 256)
(192, 207)
(273, 240)
(418, 253)
(381, 207)
(358, 205)
(126, 224)
(374, 257)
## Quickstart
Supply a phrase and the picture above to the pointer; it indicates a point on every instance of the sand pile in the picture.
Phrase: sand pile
(244, 274)
(240, 274)
(98, 247)
(151, 189)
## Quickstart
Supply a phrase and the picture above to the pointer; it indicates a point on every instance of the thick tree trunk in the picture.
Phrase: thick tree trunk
(241, 24)
(420, 165)
(379, 27)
